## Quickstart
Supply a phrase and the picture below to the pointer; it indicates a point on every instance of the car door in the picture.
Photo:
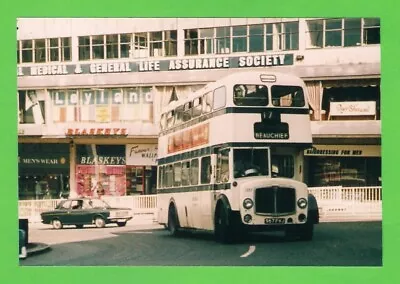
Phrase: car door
(78, 213)
(62, 211)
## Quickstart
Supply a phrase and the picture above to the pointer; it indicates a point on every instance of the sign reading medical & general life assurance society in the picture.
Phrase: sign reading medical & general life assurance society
(206, 63)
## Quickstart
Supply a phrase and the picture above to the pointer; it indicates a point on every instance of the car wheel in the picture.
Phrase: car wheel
(80, 226)
(57, 224)
(99, 222)
(121, 224)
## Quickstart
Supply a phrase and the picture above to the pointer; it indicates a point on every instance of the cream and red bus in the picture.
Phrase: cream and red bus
(230, 158)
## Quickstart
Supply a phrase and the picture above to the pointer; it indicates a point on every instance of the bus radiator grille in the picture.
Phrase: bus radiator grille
(275, 200)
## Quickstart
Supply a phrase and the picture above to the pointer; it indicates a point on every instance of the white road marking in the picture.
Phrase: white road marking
(250, 251)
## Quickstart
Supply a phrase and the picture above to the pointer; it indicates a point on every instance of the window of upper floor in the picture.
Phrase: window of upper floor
(127, 45)
(44, 50)
(245, 38)
(342, 32)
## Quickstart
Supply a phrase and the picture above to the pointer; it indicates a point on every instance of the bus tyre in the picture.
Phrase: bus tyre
(223, 232)
(173, 221)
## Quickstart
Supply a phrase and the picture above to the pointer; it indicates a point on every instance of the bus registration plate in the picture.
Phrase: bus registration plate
(274, 220)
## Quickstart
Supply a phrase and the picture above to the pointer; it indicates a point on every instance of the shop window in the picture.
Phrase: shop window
(362, 96)
(335, 171)
(135, 180)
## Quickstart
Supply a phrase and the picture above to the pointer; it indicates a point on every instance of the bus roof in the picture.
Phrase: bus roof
(251, 77)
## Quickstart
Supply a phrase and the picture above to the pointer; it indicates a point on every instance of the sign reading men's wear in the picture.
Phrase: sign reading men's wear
(141, 154)
(205, 63)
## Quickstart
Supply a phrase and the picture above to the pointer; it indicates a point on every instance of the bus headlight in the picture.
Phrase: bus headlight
(302, 203)
(248, 203)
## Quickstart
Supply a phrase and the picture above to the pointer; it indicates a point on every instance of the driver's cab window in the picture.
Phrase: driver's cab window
(223, 166)
(250, 162)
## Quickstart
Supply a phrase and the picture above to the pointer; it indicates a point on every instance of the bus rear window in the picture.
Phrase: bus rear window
(287, 96)
(250, 95)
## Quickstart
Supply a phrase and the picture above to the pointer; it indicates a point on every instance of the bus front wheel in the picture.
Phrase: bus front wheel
(223, 230)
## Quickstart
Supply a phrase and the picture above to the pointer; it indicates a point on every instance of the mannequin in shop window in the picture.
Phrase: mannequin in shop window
(98, 188)
(47, 194)
(38, 190)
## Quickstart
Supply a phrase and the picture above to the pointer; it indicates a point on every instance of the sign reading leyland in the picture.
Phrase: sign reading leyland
(205, 63)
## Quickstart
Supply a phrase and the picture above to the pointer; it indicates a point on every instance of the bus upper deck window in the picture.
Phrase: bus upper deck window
(250, 95)
(287, 96)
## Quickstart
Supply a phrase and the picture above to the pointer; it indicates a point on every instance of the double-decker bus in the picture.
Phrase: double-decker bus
(230, 158)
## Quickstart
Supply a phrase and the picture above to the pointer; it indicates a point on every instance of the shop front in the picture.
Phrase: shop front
(344, 165)
(100, 170)
(43, 171)
(141, 169)
(115, 170)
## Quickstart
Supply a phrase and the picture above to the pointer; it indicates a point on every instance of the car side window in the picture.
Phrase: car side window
(77, 204)
(65, 205)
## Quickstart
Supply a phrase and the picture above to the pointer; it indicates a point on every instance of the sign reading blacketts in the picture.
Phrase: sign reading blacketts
(262, 60)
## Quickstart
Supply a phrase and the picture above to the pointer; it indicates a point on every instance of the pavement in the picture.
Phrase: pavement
(39, 247)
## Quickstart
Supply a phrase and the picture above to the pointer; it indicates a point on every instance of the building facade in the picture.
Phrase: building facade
(90, 93)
